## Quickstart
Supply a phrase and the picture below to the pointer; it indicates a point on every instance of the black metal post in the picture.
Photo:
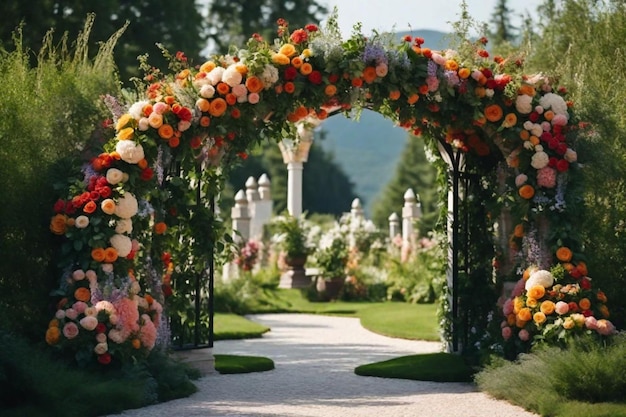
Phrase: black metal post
(211, 280)
(196, 329)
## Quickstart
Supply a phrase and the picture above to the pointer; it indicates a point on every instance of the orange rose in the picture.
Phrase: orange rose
(97, 254)
(412, 99)
(218, 107)
(537, 292)
(160, 228)
(524, 314)
(394, 94)
(547, 307)
(330, 90)
(519, 230)
(52, 335)
(604, 310)
(564, 254)
(90, 207)
(526, 89)
(108, 206)
(526, 191)
(82, 294)
(539, 317)
(165, 131)
(464, 73)
(369, 74)
(524, 134)
(584, 304)
(531, 302)
(203, 105)
(451, 65)
(222, 88)
(136, 343)
(601, 297)
(58, 224)
(518, 304)
(509, 120)
(582, 268)
(205, 121)
(306, 68)
(296, 62)
(289, 87)
(110, 255)
(174, 142)
(254, 84)
(493, 113)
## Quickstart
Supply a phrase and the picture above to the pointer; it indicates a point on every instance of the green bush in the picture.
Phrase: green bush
(49, 112)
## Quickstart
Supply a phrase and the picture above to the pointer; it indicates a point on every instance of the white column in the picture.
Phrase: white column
(252, 194)
(241, 216)
(410, 212)
(294, 188)
(356, 209)
(264, 206)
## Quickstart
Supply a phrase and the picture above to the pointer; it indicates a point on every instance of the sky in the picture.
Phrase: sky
(401, 15)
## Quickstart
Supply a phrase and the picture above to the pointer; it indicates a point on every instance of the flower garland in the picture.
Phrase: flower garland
(213, 113)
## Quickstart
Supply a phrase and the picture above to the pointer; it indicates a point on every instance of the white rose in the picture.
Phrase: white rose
(124, 226)
(207, 91)
(523, 104)
(215, 75)
(101, 348)
(107, 268)
(136, 110)
(101, 338)
(114, 176)
(541, 277)
(89, 322)
(122, 244)
(78, 275)
(489, 92)
(105, 305)
(143, 124)
(536, 130)
(570, 155)
(555, 102)
(127, 206)
(129, 151)
(82, 222)
(540, 160)
(528, 125)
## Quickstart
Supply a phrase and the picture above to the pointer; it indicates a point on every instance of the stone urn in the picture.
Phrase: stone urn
(330, 288)
(295, 275)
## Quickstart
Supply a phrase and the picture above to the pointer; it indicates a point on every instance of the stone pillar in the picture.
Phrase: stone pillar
(294, 188)
(240, 216)
(411, 211)
(356, 209)
(252, 194)
(394, 225)
(264, 206)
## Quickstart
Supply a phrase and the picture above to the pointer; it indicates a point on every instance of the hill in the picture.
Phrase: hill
(369, 148)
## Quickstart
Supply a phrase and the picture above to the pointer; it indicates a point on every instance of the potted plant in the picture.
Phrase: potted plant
(290, 236)
(331, 257)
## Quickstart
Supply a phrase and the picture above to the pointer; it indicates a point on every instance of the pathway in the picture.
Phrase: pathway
(315, 357)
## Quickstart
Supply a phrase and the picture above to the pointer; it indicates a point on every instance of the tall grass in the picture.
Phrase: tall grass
(555, 382)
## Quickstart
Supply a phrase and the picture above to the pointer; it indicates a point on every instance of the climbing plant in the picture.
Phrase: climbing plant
(141, 210)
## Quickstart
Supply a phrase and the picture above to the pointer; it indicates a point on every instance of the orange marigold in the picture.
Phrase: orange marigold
(218, 107)
(254, 84)
(330, 90)
(306, 68)
(82, 294)
(289, 87)
(369, 74)
(58, 224)
(160, 228)
(165, 131)
(584, 304)
(526, 191)
(394, 94)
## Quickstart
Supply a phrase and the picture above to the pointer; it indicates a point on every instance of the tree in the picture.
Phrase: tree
(232, 22)
(504, 32)
(416, 172)
(176, 25)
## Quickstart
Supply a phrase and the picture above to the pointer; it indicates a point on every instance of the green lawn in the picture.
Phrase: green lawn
(231, 326)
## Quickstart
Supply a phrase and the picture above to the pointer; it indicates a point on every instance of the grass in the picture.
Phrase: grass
(238, 364)
(402, 320)
(437, 367)
(232, 326)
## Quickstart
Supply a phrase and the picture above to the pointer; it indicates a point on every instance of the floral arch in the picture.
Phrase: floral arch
(149, 190)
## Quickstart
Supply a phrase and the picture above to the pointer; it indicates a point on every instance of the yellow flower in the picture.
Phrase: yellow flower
(288, 50)
(280, 59)
(568, 323)
(539, 317)
(123, 121)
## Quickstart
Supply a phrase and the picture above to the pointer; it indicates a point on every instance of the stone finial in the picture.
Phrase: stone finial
(252, 190)
(264, 187)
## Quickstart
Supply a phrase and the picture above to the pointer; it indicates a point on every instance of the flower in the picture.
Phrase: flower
(130, 151)
(127, 206)
(541, 277)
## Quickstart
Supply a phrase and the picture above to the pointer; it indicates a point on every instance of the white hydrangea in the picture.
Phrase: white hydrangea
(540, 160)
(215, 75)
(124, 226)
(554, 102)
(122, 244)
(127, 206)
(540, 277)
(136, 110)
(129, 151)
(231, 76)
(114, 176)
(269, 76)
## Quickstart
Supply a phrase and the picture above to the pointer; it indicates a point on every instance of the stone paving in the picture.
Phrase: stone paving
(315, 357)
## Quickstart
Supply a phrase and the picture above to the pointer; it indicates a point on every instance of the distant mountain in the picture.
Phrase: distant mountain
(369, 149)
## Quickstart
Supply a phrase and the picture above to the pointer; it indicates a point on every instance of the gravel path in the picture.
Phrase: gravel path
(315, 357)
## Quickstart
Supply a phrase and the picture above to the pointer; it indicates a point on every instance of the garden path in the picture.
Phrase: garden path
(315, 357)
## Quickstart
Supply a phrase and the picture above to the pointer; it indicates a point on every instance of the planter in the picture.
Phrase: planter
(329, 289)
(295, 276)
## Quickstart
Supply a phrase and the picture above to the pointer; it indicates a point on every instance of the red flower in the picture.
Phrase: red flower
(487, 72)
(184, 114)
(533, 117)
(562, 165)
(483, 40)
(315, 77)
(298, 36)
(59, 206)
(483, 54)
(418, 41)
(552, 161)
(180, 56)
(105, 192)
(146, 174)
(585, 283)
(333, 78)
(105, 358)
(407, 38)
(166, 258)
(167, 290)
(290, 73)
(242, 155)
(311, 27)
(101, 328)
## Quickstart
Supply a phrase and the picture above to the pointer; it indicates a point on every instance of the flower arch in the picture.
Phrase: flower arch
(129, 206)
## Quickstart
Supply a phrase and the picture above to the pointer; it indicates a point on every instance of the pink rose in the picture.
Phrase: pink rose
(591, 323)
(80, 307)
(78, 275)
(561, 308)
(508, 307)
(253, 98)
(70, 330)
(71, 314)
(507, 332)
(605, 327)
(524, 335)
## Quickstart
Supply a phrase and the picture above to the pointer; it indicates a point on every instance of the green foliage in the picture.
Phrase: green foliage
(232, 326)
(47, 110)
(238, 364)
(436, 367)
(563, 381)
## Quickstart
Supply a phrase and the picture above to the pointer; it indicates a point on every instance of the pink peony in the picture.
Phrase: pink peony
(605, 327)
(71, 314)
(79, 306)
(591, 323)
(70, 330)
(89, 322)
(147, 333)
(546, 177)
(508, 307)
(128, 316)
